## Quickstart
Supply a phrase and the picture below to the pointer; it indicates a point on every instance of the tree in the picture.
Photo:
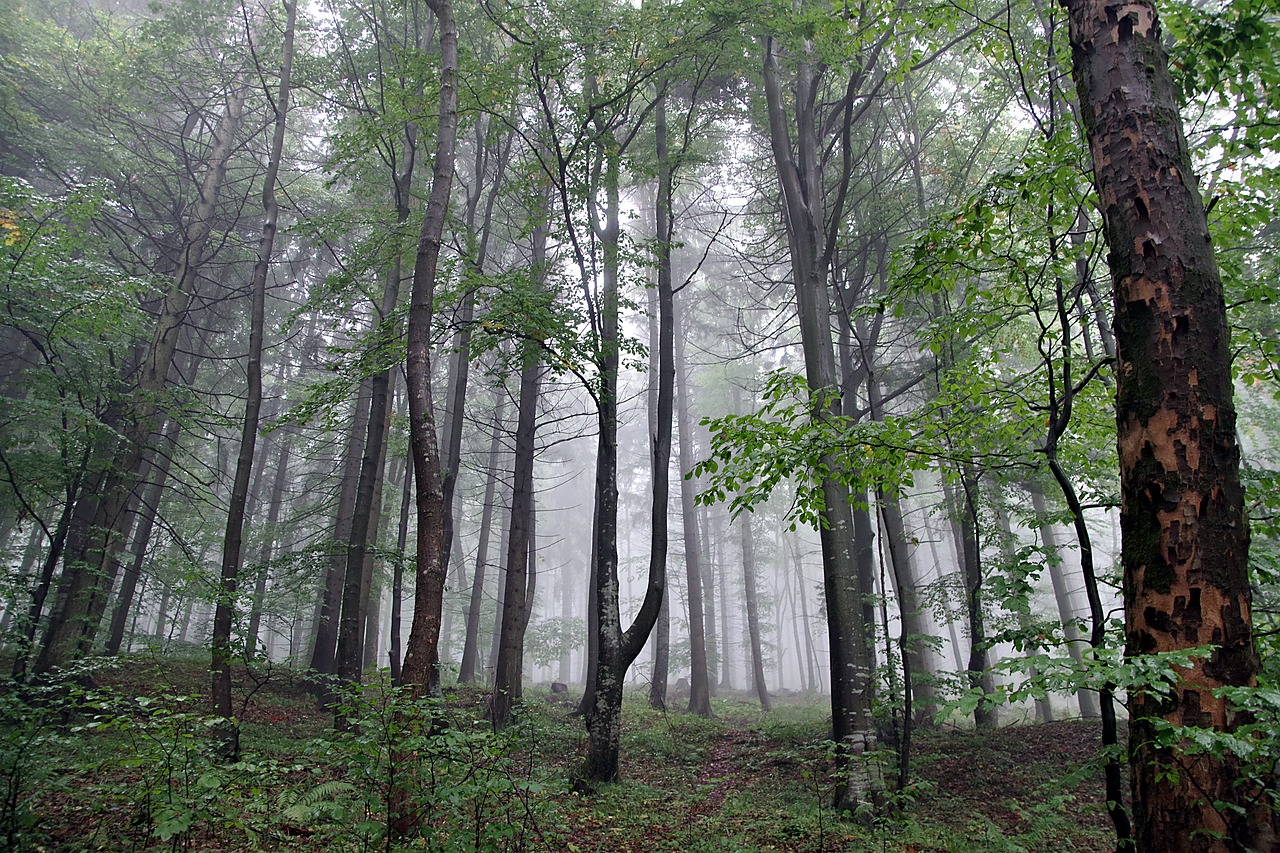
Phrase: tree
(220, 667)
(422, 654)
(1184, 534)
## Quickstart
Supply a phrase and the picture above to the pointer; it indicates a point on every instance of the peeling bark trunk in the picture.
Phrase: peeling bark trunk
(1185, 536)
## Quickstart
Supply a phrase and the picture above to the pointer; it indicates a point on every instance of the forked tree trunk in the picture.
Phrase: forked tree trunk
(806, 212)
(1185, 536)
(87, 570)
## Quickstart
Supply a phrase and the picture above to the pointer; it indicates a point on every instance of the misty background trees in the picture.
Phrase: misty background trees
(708, 347)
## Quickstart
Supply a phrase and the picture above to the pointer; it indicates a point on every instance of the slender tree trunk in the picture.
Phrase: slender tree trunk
(662, 373)
(471, 643)
(357, 580)
(509, 666)
(356, 583)
(224, 616)
(566, 613)
(422, 656)
(964, 526)
(275, 502)
(1185, 535)
(490, 663)
(1062, 594)
(753, 611)
(397, 572)
(150, 506)
(699, 677)
(324, 652)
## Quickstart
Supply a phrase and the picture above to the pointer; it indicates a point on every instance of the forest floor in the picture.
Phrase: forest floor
(120, 760)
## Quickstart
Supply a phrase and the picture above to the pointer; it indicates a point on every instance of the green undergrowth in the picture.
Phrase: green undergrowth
(118, 757)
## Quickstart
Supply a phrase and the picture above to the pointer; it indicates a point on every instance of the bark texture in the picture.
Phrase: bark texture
(422, 655)
(1185, 539)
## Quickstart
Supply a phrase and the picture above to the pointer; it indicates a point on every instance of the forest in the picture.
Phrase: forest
(591, 425)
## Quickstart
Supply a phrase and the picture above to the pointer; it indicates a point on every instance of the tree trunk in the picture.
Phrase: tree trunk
(357, 579)
(324, 652)
(397, 572)
(662, 373)
(963, 505)
(508, 678)
(275, 502)
(471, 643)
(224, 615)
(71, 627)
(811, 248)
(604, 712)
(422, 657)
(142, 536)
(699, 677)
(1185, 536)
(1062, 594)
(753, 611)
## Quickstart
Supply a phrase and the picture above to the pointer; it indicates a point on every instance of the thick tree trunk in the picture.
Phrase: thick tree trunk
(811, 248)
(1185, 536)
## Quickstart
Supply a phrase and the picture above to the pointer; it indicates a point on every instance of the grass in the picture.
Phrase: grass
(120, 762)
